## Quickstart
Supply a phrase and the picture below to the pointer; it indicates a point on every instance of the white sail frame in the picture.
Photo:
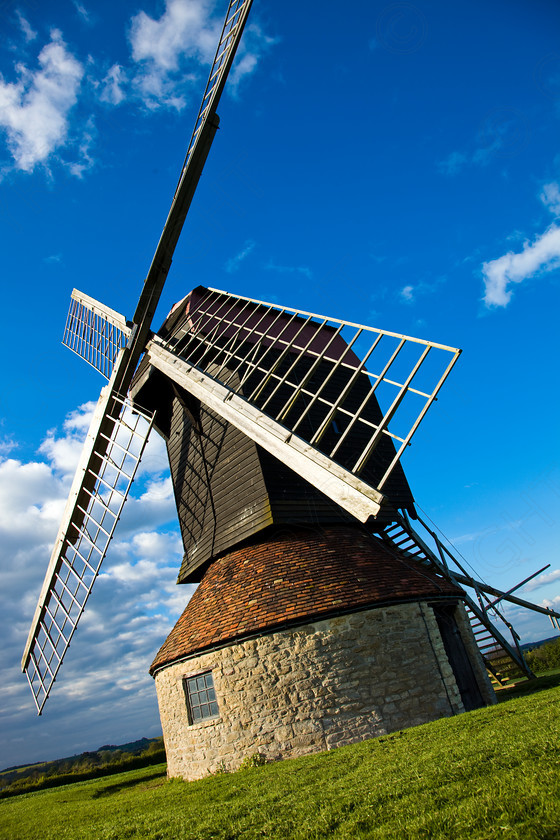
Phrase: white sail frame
(114, 445)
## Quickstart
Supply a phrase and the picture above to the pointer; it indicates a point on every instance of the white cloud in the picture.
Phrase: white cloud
(64, 451)
(113, 86)
(169, 60)
(78, 421)
(183, 29)
(169, 51)
(28, 496)
(536, 258)
(244, 66)
(410, 293)
(504, 132)
(542, 580)
(160, 47)
(155, 545)
(86, 160)
(28, 33)
(144, 571)
(550, 197)
(289, 269)
(251, 49)
(453, 163)
(154, 460)
(473, 536)
(34, 110)
(234, 262)
(170, 56)
(153, 507)
(7, 445)
(83, 13)
(552, 603)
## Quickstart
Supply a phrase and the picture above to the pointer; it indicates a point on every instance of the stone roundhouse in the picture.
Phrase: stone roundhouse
(309, 639)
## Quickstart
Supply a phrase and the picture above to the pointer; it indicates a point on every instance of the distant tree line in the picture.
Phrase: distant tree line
(88, 765)
(545, 657)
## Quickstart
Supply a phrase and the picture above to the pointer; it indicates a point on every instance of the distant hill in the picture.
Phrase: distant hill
(132, 746)
(110, 758)
(534, 645)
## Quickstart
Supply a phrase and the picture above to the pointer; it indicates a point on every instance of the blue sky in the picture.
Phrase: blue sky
(392, 164)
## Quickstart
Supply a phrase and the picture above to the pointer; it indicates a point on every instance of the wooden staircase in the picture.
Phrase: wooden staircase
(401, 539)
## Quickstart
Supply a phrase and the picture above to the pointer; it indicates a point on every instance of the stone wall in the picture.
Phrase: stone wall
(310, 688)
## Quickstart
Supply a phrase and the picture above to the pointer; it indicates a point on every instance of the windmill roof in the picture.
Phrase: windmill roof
(295, 576)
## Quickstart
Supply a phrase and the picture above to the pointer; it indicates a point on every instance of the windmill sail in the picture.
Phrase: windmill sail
(298, 385)
(95, 332)
(108, 464)
(204, 130)
(109, 460)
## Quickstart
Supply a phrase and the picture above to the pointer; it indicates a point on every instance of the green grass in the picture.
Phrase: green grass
(492, 773)
(545, 679)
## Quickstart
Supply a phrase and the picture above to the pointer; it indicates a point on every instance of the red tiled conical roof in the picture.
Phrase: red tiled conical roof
(295, 576)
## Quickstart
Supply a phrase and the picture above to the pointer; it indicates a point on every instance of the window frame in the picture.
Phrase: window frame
(202, 695)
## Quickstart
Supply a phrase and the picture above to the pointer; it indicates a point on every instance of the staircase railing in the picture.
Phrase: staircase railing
(494, 634)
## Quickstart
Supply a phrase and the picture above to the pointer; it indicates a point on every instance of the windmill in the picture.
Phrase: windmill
(285, 431)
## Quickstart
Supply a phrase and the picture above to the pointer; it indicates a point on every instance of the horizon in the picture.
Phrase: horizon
(102, 748)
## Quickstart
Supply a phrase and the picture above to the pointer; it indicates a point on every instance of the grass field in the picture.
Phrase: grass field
(492, 773)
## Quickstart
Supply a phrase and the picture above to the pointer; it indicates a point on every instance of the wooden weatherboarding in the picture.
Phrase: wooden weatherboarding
(271, 415)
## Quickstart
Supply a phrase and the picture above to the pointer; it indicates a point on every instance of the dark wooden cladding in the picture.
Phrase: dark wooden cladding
(227, 489)
(219, 489)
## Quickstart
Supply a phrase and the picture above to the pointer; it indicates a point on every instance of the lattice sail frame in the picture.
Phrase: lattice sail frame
(234, 23)
(94, 332)
(112, 452)
(264, 344)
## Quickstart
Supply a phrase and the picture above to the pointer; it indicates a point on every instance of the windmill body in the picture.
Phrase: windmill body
(305, 627)
(322, 616)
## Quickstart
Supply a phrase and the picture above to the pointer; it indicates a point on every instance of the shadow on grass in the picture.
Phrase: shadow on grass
(522, 689)
(109, 790)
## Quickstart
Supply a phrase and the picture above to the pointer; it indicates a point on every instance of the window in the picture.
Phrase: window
(201, 697)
